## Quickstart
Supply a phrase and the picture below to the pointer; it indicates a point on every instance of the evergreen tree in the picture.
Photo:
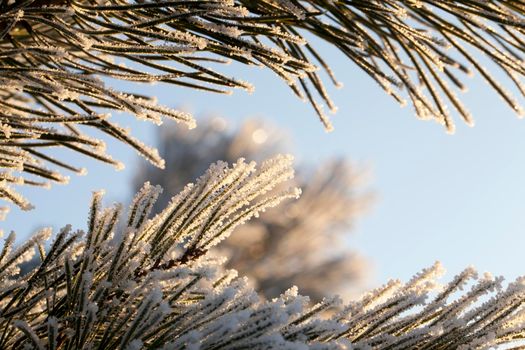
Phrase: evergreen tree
(151, 282)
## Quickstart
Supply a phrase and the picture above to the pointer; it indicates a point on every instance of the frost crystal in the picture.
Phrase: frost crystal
(155, 285)
(59, 59)
(299, 243)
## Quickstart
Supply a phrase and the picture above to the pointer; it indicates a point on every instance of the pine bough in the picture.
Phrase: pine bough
(150, 284)
(301, 242)
(59, 60)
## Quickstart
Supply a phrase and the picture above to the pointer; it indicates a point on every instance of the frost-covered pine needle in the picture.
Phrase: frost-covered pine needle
(59, 61)
(149, 283)
(300, 242)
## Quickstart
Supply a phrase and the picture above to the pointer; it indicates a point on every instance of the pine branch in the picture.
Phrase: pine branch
(59, 59)
(301, 247)
(105, 289)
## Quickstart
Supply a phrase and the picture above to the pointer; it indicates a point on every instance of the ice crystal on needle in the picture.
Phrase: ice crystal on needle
(300, 243)
(59, 59)
(149, 283)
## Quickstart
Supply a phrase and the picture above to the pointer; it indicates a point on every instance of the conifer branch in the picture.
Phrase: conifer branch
(103, 289)
(59, 59)
(301, 242)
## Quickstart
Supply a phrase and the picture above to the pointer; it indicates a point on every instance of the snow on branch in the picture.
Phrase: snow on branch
(150, 283)
(299, 243)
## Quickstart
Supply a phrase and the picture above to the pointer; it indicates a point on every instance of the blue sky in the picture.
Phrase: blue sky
(458, 199)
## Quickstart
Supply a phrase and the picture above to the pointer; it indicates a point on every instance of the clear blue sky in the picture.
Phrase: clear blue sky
(459, 199)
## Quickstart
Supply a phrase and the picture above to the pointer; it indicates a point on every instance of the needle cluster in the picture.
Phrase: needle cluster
(60, 59)
(149, 283)
(301, 242)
